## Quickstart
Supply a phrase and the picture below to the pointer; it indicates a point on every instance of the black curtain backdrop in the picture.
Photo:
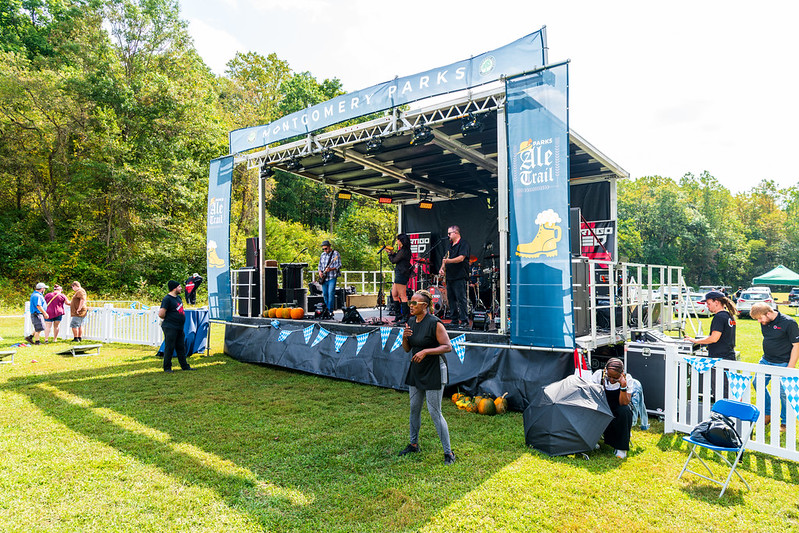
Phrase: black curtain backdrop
(593, 199)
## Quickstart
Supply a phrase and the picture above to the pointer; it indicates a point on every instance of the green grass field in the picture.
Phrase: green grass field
(110, 443)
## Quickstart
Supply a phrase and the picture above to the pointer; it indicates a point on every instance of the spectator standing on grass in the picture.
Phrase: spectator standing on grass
(780, 347)
(174, 318)
(38, 313)
(78, 310)
(425, 337)
(721, 341)
(55, 312)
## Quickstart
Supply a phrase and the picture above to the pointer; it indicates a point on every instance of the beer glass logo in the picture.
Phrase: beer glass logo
(546, 240)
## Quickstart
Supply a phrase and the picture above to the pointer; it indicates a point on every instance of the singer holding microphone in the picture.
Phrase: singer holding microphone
(400, 257)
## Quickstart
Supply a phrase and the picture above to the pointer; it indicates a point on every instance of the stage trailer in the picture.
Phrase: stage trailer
(487, 142)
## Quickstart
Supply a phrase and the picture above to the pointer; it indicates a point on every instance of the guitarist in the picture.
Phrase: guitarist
(328, 270)
(456, 268)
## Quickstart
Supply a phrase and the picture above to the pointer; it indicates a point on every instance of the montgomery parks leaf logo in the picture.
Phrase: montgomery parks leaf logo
(487, 65)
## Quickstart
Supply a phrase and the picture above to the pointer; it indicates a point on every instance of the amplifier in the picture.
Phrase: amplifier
(646, 362)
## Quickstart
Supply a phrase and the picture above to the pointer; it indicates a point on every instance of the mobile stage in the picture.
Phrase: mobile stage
(483, 144)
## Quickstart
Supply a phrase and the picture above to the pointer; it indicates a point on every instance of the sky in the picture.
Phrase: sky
(661, 88)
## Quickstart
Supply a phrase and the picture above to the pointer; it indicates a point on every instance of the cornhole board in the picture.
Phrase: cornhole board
(7, 356)
(81, 350)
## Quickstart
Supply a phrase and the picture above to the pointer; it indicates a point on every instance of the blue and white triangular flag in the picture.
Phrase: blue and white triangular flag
(319, 338)
(283, 334)
(701, 364)
(145, 307)
(361, 341)
(791, 386)
(459, 348)
(397, 341)
(340, 340)
(307, 333)
(384, 333)
(275, 324)
(133, 305)
(739, 383)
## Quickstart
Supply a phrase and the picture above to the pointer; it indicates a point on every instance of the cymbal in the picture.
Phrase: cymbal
(492, 256)
(473, 259)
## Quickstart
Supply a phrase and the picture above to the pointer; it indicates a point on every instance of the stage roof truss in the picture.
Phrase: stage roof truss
(452, 165)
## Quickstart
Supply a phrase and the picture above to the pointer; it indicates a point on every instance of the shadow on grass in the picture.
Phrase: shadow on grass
(290, 450)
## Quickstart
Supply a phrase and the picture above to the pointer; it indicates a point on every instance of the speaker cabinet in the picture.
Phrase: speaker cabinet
(248, 299)
(582, 323)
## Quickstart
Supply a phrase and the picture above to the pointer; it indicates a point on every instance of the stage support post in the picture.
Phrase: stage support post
(502, 207)
(260, 253)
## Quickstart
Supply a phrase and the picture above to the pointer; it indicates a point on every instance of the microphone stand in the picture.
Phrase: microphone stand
(380, 296)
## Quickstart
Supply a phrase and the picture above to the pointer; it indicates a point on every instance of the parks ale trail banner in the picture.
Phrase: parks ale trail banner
(541, 309)
(220, 303)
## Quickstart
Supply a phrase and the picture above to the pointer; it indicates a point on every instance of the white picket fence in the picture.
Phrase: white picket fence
(110, 324)
(688, 401)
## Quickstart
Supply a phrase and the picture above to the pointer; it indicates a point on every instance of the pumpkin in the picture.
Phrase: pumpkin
(286, 312)
(265, 314)
(464, 402)
(486, 407)
(501, 404)
(457, 396)
(297, 313)
(472, 407)
(273, 312)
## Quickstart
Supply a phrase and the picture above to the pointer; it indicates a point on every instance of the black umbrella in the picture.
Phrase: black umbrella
(567, 417)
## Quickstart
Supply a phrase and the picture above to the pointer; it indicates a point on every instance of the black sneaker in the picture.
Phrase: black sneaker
(29, 339)
(410, 448)
(449, 458)
(169, 371)
(37, 343)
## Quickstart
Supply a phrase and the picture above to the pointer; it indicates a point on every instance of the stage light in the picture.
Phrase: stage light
(327, 157)
(421, 135)
(471, 124)
(425, 204)
(293, 164)
(344, 195)
(384, 199)
(374, 145)
(266, 172)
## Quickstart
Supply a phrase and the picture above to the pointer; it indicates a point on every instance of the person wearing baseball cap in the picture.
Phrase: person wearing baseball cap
(721, 341)
(38, 313)
(174, 318)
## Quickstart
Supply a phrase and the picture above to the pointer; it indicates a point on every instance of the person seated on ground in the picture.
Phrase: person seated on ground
(614, 381)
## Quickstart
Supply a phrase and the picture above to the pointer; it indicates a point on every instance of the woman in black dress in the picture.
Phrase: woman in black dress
(425, 337)
(401, 259)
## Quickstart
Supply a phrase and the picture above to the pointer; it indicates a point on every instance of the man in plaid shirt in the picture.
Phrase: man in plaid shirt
(328, 270)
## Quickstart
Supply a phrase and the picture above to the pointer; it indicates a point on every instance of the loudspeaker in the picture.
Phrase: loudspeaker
(352, 316)
(481, 319)
(297, 297)
(575, 232)
(341, 298)
(252, 252)
(311, 302)
(270, 282)
(582, 323)
(248, 307)
(292, 275)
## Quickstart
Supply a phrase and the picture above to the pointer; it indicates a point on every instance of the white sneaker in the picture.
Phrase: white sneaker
(621, 454)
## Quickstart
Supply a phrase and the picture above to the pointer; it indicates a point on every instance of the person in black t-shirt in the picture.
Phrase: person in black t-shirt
(425, 337)
(780, 348)
(401, 259)
(456, 267)
(721, 341)
(174, 318)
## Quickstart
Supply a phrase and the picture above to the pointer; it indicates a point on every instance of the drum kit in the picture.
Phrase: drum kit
(483, 277)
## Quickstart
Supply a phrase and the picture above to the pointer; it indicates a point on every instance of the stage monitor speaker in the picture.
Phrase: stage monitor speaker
(292, 275)
(252, 252)
(312, 301)
(297, 297)
(248, 283)
(341, 298)
(575, 231)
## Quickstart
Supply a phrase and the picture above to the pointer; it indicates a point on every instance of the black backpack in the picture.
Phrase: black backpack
(717, 431)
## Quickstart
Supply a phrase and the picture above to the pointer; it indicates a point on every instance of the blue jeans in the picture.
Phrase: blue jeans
(768, 396)
(329, 294)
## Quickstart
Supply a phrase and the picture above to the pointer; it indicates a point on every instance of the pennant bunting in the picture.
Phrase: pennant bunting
(319, 338)
(397, 342)
(340, 340)
(275, 323)
(384, 333)
(459, 348)
(283, 334)
(307, 333)
(133, 305)
(739, 383)
(791, 386)
(145, 307)
(361, 341)
(701, 364)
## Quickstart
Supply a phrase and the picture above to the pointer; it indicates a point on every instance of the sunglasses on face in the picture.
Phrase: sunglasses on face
(414, 304)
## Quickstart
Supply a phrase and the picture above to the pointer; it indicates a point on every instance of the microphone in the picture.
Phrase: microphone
(299, 254)
(381, 249)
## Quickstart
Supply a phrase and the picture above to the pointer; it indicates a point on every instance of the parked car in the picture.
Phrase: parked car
(752, 296)
(693, 305)
(793, 297)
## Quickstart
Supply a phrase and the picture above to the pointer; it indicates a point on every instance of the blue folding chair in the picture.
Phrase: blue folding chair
(737, 410)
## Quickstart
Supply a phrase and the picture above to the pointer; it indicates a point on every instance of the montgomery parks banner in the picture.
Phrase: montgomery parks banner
(217, 247)
(522, 55)
(538, 162)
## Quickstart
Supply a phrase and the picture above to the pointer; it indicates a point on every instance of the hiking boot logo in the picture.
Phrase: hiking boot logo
(214, 260)
(547, 238)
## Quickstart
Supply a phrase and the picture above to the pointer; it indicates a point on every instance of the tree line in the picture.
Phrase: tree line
(109, 118)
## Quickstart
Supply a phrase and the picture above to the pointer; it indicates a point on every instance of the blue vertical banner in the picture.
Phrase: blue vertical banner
(217, 250)
(541, 309)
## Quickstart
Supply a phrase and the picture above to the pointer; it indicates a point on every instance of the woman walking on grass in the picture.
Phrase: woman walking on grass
(425, 337)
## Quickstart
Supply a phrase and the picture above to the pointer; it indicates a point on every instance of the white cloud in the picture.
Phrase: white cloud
(215, 46)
